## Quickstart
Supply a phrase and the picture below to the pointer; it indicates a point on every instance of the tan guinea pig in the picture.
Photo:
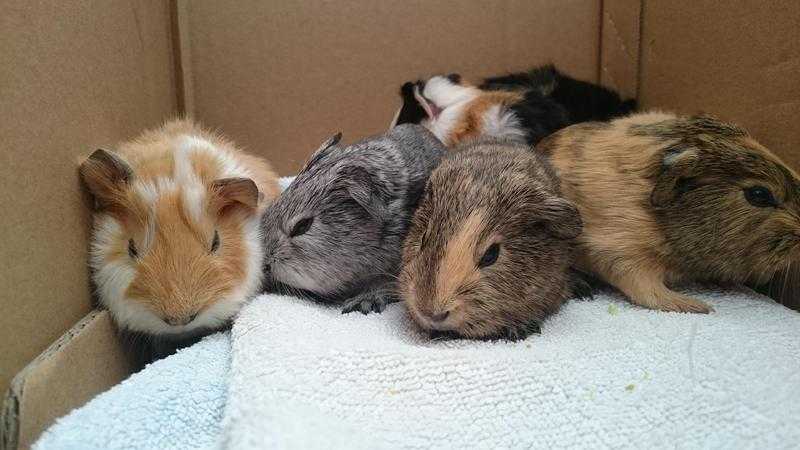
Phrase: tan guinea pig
(668, 199)
(175, 248)
(490, 245)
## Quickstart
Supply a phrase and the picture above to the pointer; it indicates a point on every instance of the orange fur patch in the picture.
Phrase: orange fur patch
(458, 267)
(177, 276)
(472, 124)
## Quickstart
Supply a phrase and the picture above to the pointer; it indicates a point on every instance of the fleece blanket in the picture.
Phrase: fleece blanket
(174, 403)
(602, 374)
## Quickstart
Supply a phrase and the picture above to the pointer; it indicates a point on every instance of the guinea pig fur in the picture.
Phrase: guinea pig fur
(490, 246)
(336, 232)
(175, 248)
(523, 106)
(667, 200)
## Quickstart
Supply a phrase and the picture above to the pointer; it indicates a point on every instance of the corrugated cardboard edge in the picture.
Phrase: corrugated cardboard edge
(620, 36)
(90, 347)
(181, 43)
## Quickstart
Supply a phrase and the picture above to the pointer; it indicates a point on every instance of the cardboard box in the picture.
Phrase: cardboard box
(278, 78)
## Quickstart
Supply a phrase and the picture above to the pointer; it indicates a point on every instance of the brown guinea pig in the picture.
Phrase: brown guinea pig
(668, 199)
(176, 244)
(489, 247)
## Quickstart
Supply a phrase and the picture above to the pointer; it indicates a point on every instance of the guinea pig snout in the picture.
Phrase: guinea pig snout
(176, 321)
(440, 316)
(443, 318)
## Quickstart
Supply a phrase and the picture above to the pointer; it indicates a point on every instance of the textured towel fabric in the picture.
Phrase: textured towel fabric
(602, 374)
(174, 403)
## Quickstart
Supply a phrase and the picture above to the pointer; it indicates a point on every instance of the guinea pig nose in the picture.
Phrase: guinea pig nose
(178, 321)
(439, 317)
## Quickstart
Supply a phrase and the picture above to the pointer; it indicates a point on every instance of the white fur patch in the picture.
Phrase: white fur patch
(113, 277)
(442, 127)
(453, 99)
(499, 122)
(231, 166)
(444, 93)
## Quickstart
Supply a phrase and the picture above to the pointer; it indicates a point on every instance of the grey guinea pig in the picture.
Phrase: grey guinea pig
(337, 230)
(489, 250)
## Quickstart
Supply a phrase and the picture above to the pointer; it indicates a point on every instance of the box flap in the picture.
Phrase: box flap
(739, 61)
(85, 361)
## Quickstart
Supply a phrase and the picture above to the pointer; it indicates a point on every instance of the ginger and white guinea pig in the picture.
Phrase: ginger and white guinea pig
(490, 246)
(336, 232)
(524, 106)
(667, 200)
(175, 249)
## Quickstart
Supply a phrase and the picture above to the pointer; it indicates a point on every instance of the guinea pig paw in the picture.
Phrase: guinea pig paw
(682, 303)
(367, 302)
(519, 333)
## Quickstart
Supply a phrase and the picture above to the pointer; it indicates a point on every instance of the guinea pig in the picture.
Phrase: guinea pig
(175, 249)
(524, 106)
(667, 200)
(489, 250)
(336, 232)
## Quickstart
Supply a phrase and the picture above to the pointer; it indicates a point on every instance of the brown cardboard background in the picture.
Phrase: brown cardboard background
(280, 77)
(74, 75)
(738, 59)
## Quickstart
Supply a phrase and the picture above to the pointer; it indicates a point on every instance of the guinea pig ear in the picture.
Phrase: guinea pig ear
(677, 166)
(105, 174)
(411, 111)
(367, 190)
(233, 192)
(561, 218)
(323, 150)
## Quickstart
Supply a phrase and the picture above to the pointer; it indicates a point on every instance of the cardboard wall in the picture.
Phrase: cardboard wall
(280, 77)
(738, 59)
(75, 75)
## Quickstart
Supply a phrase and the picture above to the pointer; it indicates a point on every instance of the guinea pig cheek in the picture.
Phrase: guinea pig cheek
(786, 229)
(456, 273)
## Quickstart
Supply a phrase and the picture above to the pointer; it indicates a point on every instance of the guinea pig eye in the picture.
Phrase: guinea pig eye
(490, 256)
(760, 196)
(215, 242)
(301, 227)
(133, 252)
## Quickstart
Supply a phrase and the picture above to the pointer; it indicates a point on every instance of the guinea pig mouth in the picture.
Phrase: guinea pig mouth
(431, 109)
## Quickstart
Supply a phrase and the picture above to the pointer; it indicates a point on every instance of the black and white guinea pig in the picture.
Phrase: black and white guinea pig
(524, 107)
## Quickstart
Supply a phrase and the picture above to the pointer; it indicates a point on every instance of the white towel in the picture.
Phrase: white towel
(174, 403)
(603, 373)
